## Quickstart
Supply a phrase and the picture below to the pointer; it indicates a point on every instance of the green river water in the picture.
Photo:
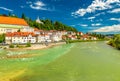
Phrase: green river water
(85, 61)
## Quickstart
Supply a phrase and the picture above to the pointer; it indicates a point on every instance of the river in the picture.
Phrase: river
(85, 61)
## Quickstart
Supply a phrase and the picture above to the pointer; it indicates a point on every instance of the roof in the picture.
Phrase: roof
(12, 21)
(19, 34)
(36, 29)
(85, 36)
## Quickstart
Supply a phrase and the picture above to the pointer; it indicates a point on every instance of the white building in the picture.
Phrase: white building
(27, 29)
(11, 24)
(20, 38)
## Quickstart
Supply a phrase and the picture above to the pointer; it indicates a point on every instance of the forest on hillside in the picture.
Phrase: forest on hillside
(47, 23)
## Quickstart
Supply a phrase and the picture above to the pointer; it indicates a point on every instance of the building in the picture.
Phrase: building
(80, 33)
(20, 38)
(11, 24)
(85, 37)
(38, 21)
(27, 29)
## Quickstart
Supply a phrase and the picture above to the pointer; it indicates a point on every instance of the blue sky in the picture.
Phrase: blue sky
(85, 15)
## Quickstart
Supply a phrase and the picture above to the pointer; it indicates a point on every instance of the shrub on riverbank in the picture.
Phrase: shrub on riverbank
(11, 46)
(115, 41)
(73, 41)
(2, 38)
(20, 46)
(28, 44)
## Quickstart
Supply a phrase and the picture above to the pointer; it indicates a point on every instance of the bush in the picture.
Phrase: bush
(17, 45)
(117, 41)
(20, 46)
(28, 44)
(5, 48)
(111, 42)
(11, 46)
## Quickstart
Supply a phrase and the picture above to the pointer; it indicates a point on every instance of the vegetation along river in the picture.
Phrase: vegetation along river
(85, 61)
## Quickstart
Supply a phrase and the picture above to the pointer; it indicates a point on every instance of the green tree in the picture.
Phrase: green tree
(23, 16)
(28, 44)
(9, 14)
(117, 41)
(2, 38)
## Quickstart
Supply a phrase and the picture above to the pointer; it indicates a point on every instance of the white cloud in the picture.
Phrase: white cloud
(102, 13)
(6, 9)
(38, 5)
(115, 19)
(113, 28)
(115, 10)
(91, 18)
(97, 24)
(95, 5)
(84, 25)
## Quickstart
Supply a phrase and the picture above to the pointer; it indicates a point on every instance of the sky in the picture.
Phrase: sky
(85, 15)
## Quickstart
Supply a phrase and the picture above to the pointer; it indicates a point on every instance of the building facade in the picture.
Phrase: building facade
(11, 24)
(20, 38)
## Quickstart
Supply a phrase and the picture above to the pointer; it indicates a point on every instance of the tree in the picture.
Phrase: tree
(2, 38)
(18, 30)
(9, 14)
(49, 25)
(117, 41)
(23, 16)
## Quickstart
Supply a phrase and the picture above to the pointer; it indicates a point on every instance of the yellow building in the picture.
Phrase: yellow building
(11, 24)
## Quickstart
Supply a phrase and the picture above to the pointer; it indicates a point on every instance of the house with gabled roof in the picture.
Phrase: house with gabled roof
(20, 38)
(11, 24)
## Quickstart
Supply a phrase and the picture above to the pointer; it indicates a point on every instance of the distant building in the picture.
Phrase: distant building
(38, 21)
(27, 29)
(11, 24)
(85, 37)
(80, 33)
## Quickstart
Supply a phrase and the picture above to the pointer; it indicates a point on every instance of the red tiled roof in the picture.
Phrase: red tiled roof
(23, 34)
(85, 36)
(36, 29)
(12, 21)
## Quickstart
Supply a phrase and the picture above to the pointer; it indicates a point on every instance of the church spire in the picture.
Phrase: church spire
(38, 20)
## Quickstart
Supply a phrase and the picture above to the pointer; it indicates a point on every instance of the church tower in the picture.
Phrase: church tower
(38, 20)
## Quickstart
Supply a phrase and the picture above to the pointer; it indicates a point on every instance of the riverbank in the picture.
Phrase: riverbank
(74, 41)
(38, 46)
(115, 41)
